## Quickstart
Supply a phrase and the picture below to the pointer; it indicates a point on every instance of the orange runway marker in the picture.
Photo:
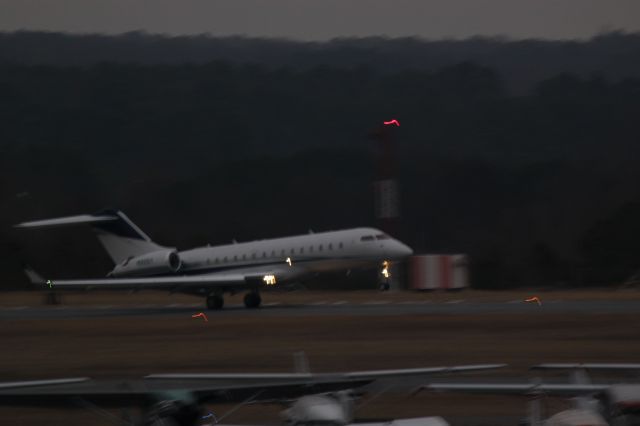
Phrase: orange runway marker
(534, 299)
(201, 314)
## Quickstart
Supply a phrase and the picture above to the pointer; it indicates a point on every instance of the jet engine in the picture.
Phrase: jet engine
(157, 262)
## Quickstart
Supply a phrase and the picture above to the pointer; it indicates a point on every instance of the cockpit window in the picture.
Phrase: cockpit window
(382, 237)
(367, 238)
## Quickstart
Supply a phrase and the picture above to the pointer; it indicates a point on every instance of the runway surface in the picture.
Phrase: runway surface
(328, 308)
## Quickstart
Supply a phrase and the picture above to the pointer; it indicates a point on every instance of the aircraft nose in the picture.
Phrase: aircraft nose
(405, 250)
(400, 250)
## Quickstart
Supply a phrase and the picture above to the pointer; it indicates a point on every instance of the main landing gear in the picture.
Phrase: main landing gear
(252, 300)
(215, 301)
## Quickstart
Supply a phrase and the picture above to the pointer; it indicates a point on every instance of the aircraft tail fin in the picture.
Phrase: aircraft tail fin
(119, 236)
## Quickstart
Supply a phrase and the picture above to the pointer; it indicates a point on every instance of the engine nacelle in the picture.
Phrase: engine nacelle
(317, 409)
(158, 262)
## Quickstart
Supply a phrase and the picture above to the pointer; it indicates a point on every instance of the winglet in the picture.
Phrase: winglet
(33, 276)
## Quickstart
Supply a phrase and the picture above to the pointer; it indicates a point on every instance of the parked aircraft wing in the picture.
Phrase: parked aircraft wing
(587, 366)
(117, 393)
(357, 375)
(516, 388)
(379, 374)
(50, 382)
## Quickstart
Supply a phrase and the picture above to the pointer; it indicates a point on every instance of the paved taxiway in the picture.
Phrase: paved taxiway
(329, 308)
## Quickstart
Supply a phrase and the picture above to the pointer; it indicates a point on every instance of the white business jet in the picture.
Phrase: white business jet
(213, 270)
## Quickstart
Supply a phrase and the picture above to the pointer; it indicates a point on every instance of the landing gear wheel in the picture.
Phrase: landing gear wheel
(215, 301)
(252, 300)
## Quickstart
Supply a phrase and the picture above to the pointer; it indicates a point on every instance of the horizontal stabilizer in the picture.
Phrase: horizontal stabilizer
(65, 221)
(120, 237)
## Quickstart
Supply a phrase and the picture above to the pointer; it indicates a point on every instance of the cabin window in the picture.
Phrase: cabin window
(244, 257)
(208, 261)
(264, 254)
(320, 247)
(273, 253)
(367, 238)
(293, 251)
(225, 259)
(235, 257)
(310, 249)
(282, 253)
(330, 246)
(340, 245)
(253, 255)
(301, 250)
(217, 261)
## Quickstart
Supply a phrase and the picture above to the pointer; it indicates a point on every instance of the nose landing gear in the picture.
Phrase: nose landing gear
(385, 276)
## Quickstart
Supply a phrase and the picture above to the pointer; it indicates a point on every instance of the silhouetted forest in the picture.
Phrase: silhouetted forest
(523, 154)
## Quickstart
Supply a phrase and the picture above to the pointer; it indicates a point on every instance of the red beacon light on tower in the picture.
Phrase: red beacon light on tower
(394, 121)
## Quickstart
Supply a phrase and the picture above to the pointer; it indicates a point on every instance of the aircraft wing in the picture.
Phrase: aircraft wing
(236, 277)
(587, 366)
(380, 374)
(142, 393)
(516, 388)
(357, 375)
(32, 383)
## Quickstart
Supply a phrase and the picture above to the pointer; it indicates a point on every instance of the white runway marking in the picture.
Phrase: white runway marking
(376, 302)
(340, 302)
(453, 302)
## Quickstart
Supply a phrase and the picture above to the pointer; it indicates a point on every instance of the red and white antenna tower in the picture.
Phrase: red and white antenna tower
(385, 186)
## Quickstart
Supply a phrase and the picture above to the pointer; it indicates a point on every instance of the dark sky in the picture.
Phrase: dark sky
(325, 19)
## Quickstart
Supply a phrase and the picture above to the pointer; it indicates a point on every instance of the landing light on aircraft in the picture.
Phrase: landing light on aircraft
(269, 279)
(385, 269)
(288, 261)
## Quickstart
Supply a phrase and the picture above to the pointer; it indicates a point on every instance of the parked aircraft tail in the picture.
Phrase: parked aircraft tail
(119, 236)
